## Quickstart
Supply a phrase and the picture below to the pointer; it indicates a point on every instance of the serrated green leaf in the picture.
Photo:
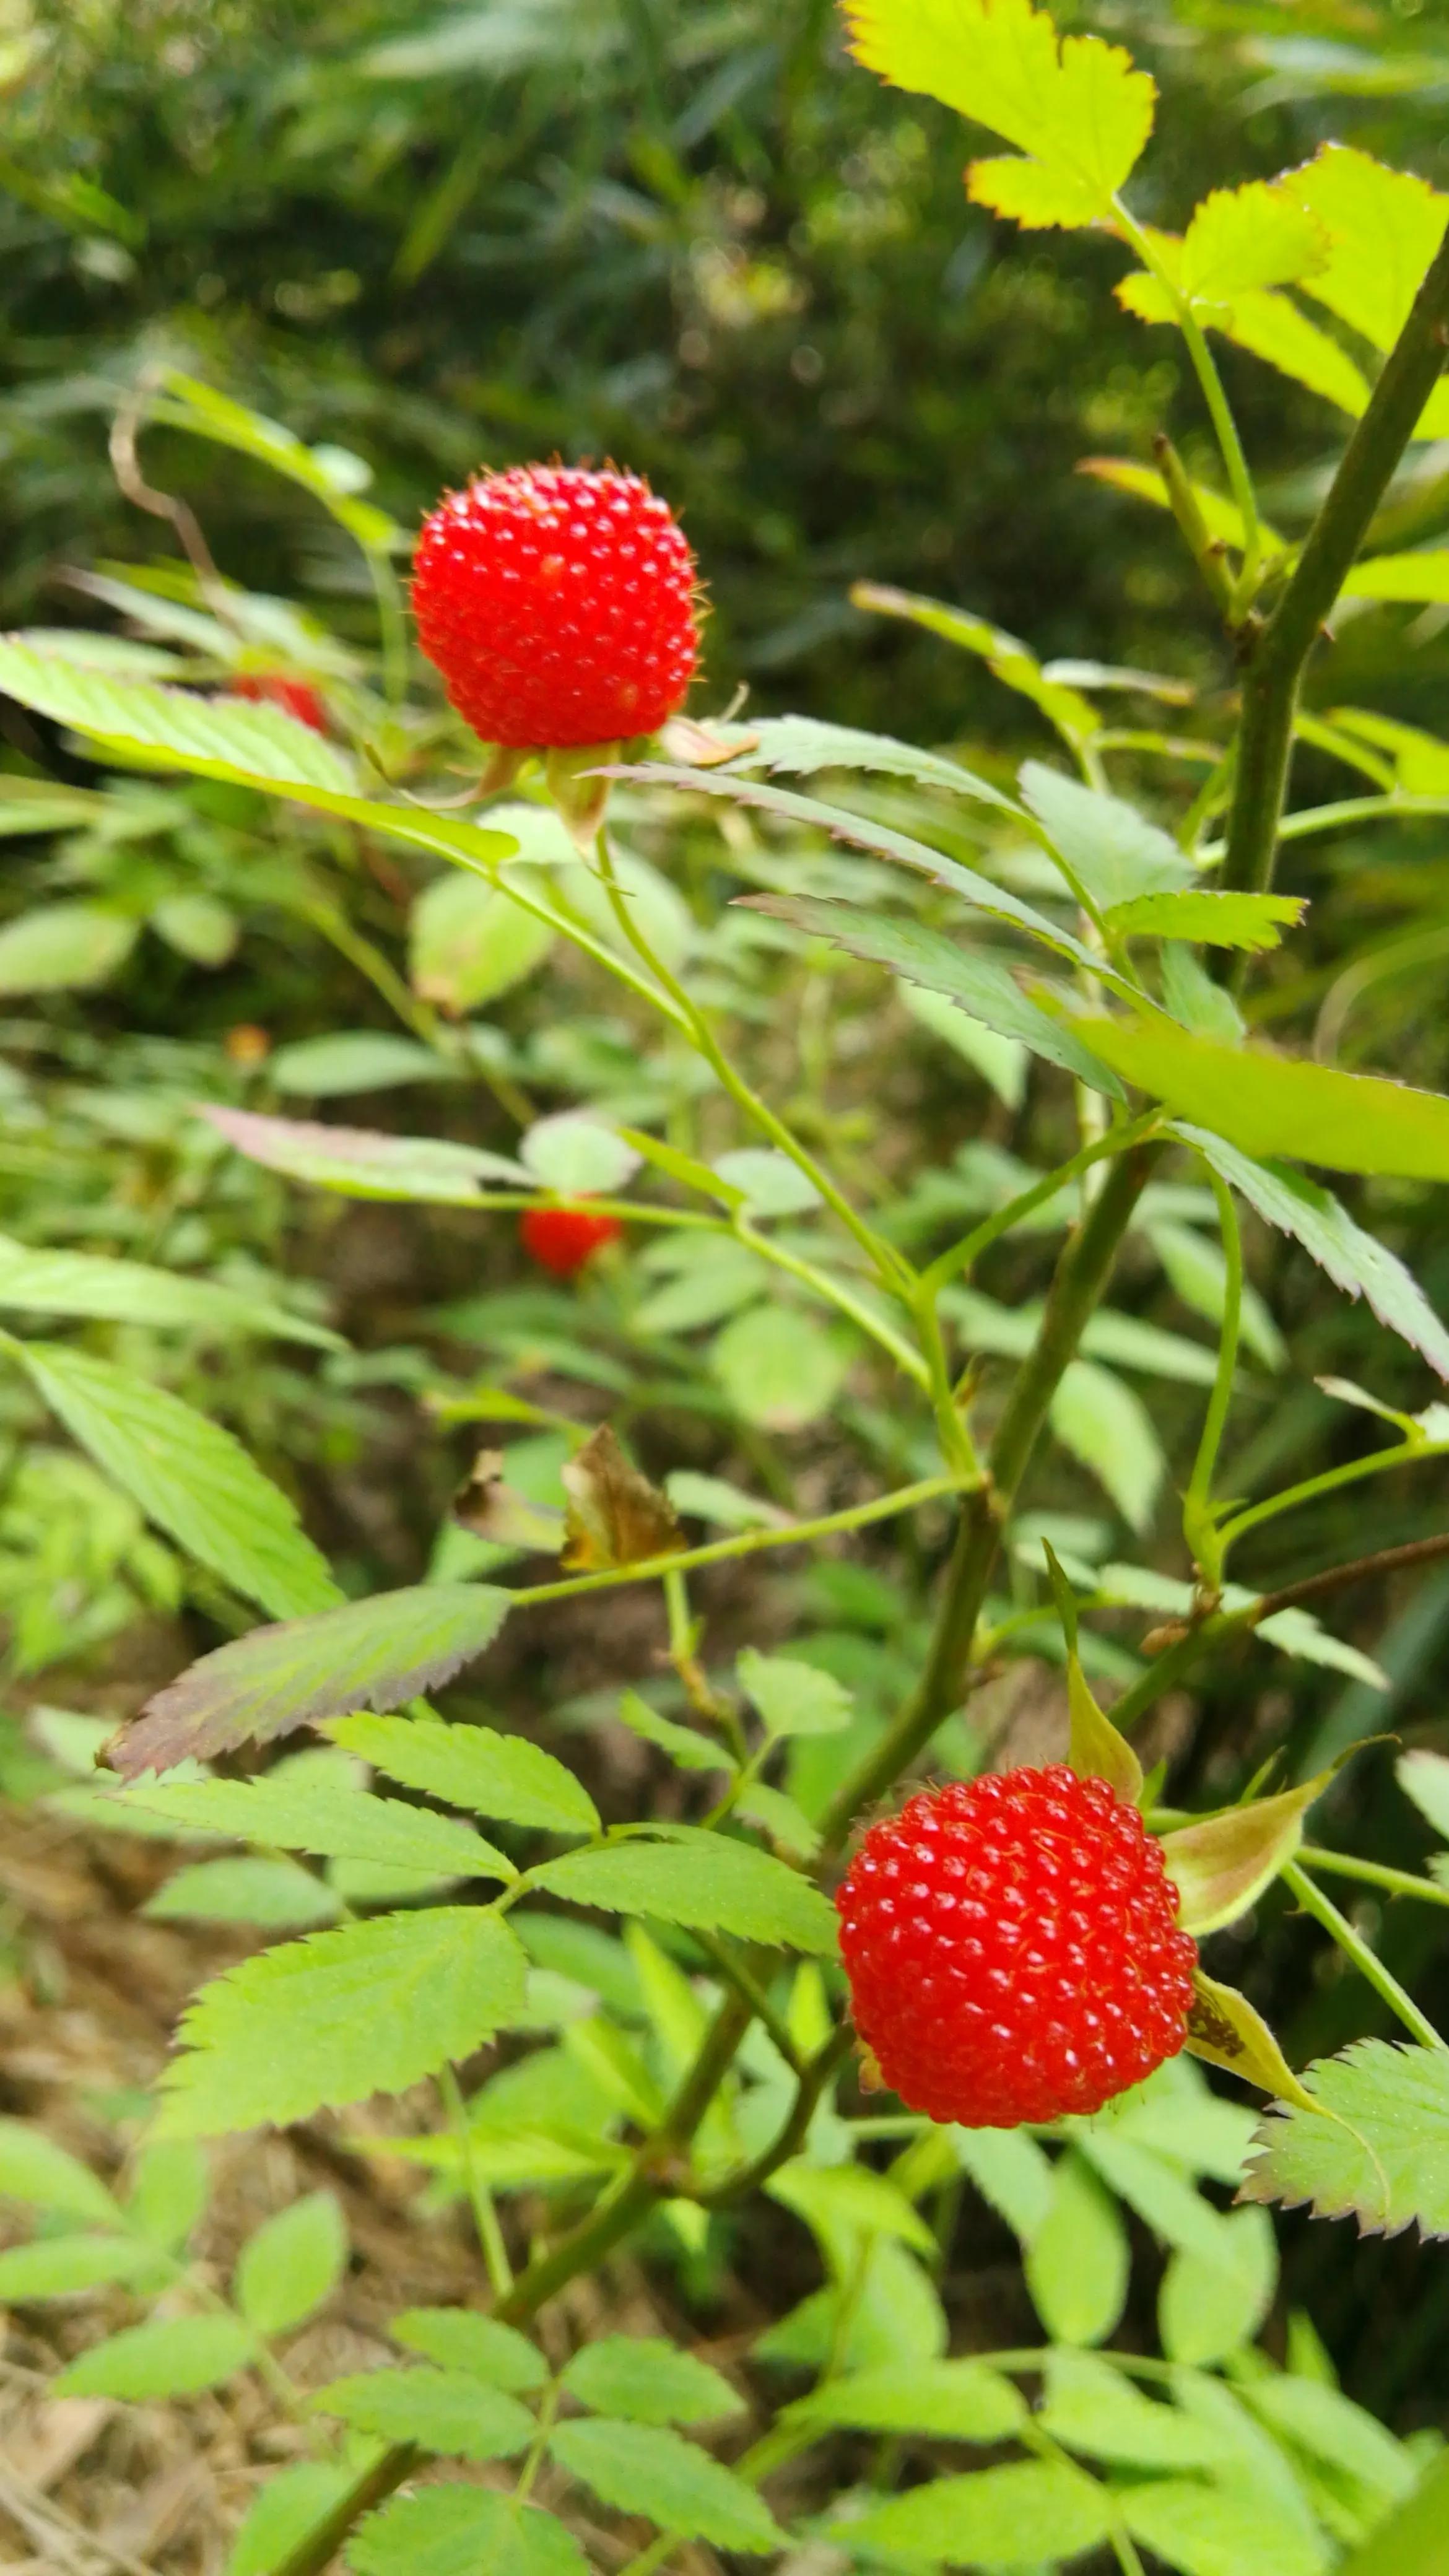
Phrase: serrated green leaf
(1209, 2531)
(1254, 236)
(1354, 1261)
(463, 2531)
(800, 745)
(999, 1061)
(33, 2169)
(221, 737)
(187, 1475)
(448, 2411)
(1092, 2408)
(1212, 2305)
(43, 1282)
(1383, 227)
(647, 2380)
(367, 2008)
(1272, 327)
(469, 943)
(275, 1895)
(1216, 920)
(282, 2512)
(1272, 1104)
(459, 2339)
(1383, 2159)
(63, 947)
(364, 1164)
(1329, 2427)
(368, 1654)
(1032, 2511)
(353, 1060)
(639, 2468)
(292, 2264)
(1112, 851)
(926, 959)
(691, 1751)
(473, 1767)
(955, 2401)
(57, 2267)
(793, 1698)
(1077, 2262)
(721, 1885)
(778, 1367)
(166, 2357)
(1161, 2197)
(1107, 1427)
(1074, 105)
(331, 1819)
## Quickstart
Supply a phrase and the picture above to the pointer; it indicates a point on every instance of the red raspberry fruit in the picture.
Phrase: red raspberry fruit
(562, 1239)
(559, 605)
(294, 698)
(1012, 1949)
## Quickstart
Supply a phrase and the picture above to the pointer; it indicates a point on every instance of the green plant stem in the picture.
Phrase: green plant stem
(1367, 1962)
(1311, 819)
(1197, 1513)
(964, 1255)
(791, 2136)
(906, 1498)
(1080, 1278)
(1330, 1482)
(1225, 428)
(485, 2216)
(740, 1977)
(906, 1359)
(1278, 654)
(1373, 1873)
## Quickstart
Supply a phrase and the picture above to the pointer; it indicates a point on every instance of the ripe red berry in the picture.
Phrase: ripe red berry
(562, 1239)
(294, 697)
(1012, 1949)
(559, 605)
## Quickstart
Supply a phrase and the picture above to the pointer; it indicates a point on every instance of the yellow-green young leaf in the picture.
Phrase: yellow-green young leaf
(368, 2008)
(1216, 920)
(1271, 327)
(1033, 2511)
(167, 2357)
(779, 1368)
(842, 2203)
(1214, 2531)
(1224, 2030)
(1414, 2535)
(648, 2381)
(1078, 2261)
(1424, 1777)
(63, 947)
(1075, 105)
(710, 1880)
(56, 2267)
(443, 2410)
(274, 1895)
(473, 1767)
(642, 2468)
(1091, 2408)
(469, 942)
(362, 1163)
(1413, 576)
(1211, 2305)
(292, 2263)
(1011, 2172)
(1253, 236)
(1384, 227)
(1098, 1752)
(188, 1476)
(1368, 2139)
(1221, 516)
(954, 2401)
(1329, 2427)
(1221, 1866)
(1272, 1104)
(281, 2513)
(794, 1698)
(461, 2530)
(34, 2170)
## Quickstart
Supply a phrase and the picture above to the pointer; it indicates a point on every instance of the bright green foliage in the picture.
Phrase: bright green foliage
(778, 1367)
(333, 1819)
(1210, 2531)
(55, 2267)
(474, 1767)
(1092, 2409)
(1381, 2158)
(458, 2339)
(956, 2401)
(449, 2411)
(1106, 846)
(221, 738)
(1077, 2258)
(1037, 2510)
(63, 947)
(641, 2468)
(725, 1886)
(1217, 920)
(793, 1698)
(280, 2512)
(168, 2357)
(360, 1164)
(798, 745)
(647, 2381)
(456, 2530)
(467, 944)
(33, 2169)
(275, 1895)
(292, 2264)
(133, 1292)
(367, 2008)
(188, 1475)
(1213, 2304)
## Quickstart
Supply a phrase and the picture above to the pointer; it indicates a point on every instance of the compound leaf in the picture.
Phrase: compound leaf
(1031, 2511)
(648, 2381)
(639, 2468)
(166, 2357)
(709, 1880)
(292, 2263)
(1383, 2158)
(474, 1767)
(459, 2531)
(449, 2411)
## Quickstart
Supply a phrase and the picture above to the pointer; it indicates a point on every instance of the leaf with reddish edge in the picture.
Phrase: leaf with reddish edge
(1221, 1865)
(363, 1163)
(374, 1654)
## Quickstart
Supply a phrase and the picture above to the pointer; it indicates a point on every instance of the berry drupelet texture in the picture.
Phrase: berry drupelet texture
(1012, 1949)
(562, 1239)
(559, 605)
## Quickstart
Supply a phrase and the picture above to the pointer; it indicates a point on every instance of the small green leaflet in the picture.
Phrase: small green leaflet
(474, 1767)
(648, 2381)
(448, 2411)
(1011, 2172)
(779, 1367)
(461, 2531)
(43, 1282)
(1091, 2408)
(63, 947)
(1424, 1777)
(1210, 2531)
(956, 2401)
(692, 1752)
(1240, 239)
(54, 2267)
(167, 2357)
(1383, 2160)
(469, 943)
(639, 2468)
(367, 1654)
(367, 2008)
(459, 2339)
(1209, 2307)
(220, 737)
(1111, 850)
(794, 1698)
(1074, 105)
(364, 1164)
(799, 745)
(1078, 2259)
(1330, 2427)
(1272, 1104)
(1354, 1261)
(281, 2513)
(1216, 920)
(335, 1821)
(354, 1060)
(1035, 2510)
(981, 985)
(275, 1895)
(186, 1474)
(292, 2264)
(1413, 576)
(711, 1881)
(34, 2170)
(1006, 657)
